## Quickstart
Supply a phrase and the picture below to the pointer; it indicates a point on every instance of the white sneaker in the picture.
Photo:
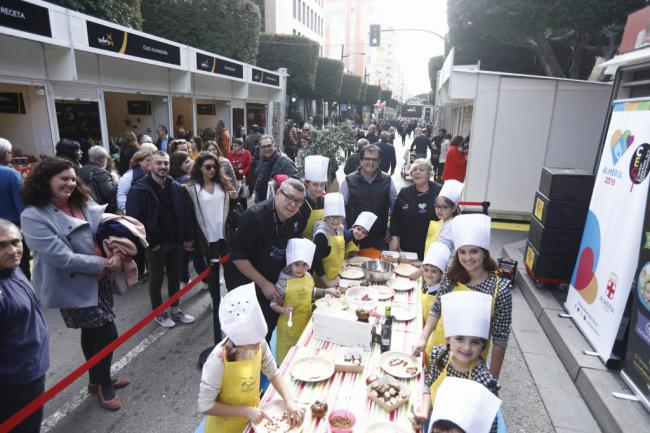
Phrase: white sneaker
(165, 321)
(179, 316)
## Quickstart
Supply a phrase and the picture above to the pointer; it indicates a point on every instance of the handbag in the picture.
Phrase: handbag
(244, 190)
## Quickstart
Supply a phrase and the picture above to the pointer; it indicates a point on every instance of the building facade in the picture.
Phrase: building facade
(297, 17)
(347, 25)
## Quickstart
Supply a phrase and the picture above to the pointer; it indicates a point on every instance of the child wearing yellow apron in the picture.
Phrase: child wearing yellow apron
(330, 242)
(472, 269)
(230, 382)
(316, 167)
(358, 232)
(296, 287)
(467, 317)
(433, 268)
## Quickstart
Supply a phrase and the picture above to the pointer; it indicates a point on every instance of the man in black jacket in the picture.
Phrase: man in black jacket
(388, 161)
(371, 136)
(163, 206)
(102, 186)
(354, 160)
(421, 143)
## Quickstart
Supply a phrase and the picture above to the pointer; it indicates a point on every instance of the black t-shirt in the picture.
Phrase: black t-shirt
(421, 144)
(411, 215)
(166, 217)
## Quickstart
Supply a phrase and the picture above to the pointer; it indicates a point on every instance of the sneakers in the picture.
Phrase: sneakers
(179, 316)
(165, 321)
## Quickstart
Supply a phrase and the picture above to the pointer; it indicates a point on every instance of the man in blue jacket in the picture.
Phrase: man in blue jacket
(163, 206)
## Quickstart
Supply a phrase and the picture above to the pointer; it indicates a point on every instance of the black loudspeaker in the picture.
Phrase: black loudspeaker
(556, 242)
(560, 214)
(548, 268)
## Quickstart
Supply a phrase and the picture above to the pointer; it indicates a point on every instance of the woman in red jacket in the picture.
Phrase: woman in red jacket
(456, 162)
(242, 162)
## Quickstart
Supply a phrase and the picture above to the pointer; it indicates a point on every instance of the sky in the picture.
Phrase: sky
(415, 48)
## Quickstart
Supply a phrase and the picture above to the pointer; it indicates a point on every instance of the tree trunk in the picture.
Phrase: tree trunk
(577, 58)
(547, 56)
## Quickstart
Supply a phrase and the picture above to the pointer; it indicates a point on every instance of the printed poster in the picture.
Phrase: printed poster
(608, 255)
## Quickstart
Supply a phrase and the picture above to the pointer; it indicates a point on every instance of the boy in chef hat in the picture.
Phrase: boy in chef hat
(464, 406)
(296, 286)
(316, 167)
(433, 268)
(446, 207)
(359, 231)
(330, 241)
(230, 382)
(466, 315)
(473, 269)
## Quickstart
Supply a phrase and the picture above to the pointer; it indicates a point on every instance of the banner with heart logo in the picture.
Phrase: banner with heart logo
(607, 258)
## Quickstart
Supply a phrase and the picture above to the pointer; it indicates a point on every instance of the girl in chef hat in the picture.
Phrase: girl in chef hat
(473, 269)
(466, 315)
(296, 286)
(446, 207)
(330, 241)
(359, 231)
(230, 383)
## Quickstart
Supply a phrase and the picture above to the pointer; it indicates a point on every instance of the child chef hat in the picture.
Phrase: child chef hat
(466, 313)
(437, 255)
(452, 189)
(334, 204)
(366, 220)
(316, 168)
(300, 249)
(241, 316)
(468, 404)
(471, 229)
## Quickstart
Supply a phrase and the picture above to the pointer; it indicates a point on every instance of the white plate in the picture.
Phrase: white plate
(358, 260)
(386, 427)
(405, 270)
(400, 284)
(403, 312)
(354, 294)
(312, 369)
(331, 302)
(400, 370)
(381, 292)
(352, 273)
(276, 410)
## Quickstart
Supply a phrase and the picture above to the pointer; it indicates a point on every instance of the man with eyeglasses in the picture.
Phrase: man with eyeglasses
(258, 251)
(368, 189)
(272, 163)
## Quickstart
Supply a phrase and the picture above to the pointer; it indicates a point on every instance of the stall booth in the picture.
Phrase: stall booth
(519, 124)
(68, 75)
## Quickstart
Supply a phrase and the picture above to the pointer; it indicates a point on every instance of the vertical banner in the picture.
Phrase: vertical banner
(607, 259)
(636, 370)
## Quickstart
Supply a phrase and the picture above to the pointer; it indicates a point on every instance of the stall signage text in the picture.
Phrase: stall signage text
(27, 17)
(122, 42)
(219, 66)
(263, 77)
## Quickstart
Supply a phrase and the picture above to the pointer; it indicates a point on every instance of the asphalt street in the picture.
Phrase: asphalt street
(162, 367)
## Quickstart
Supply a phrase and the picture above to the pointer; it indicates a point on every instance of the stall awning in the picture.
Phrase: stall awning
(630, 58)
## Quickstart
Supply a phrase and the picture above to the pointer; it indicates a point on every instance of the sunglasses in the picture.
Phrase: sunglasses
(209, 167)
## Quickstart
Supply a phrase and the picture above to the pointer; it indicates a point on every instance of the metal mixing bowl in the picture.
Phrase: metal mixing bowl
(378, 271)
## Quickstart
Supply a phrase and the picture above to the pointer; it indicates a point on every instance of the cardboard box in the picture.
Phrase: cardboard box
(342, 327)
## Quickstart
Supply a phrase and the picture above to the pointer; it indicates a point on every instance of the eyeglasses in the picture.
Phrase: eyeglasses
(290, 199)
(371, 159)
(209, 167)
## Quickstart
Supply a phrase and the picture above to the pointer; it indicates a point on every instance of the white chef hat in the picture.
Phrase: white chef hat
(452, 189)
(316, 168)
(471, 229)
(241, 316)
(300, 249)
(334, 205)
(466, 313)
(437, 255)
(468, 404)
(366, 220)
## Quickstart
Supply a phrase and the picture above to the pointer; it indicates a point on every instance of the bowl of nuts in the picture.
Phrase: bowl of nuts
(341, 421)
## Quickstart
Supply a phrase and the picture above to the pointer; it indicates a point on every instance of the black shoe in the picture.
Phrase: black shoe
(143, 278)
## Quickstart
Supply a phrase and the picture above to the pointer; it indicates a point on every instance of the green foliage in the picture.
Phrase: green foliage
(226, 27)
(373, 94)
(124, 12)
(350, 88)
(393, 103)
(334, 142)
(363, 94)
(386, 95)
(296, 53)
(298, 118)
(329, 78)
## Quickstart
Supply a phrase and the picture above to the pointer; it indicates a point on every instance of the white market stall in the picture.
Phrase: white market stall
(519, 124)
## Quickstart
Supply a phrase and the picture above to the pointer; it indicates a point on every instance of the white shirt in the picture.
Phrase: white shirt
(123, 187)
(213, 369)
(445, 237)
(212, 211)
(444, 147)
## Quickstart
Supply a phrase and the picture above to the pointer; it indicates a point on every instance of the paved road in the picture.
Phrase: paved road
(161, 365)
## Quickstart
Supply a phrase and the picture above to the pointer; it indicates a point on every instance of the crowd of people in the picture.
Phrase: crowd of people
(94, 230)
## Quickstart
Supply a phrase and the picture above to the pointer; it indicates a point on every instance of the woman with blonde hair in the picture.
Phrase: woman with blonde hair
(140, 165)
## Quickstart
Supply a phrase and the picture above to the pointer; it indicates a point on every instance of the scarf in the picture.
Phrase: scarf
(264, 175)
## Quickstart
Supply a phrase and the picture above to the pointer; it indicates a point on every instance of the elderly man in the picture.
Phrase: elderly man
(258, 251)
(99, 180)
(371, 136)
(354, 161)
(163, 141)
(388, 161)
(24, 353)
(272, 163)
(369, 189)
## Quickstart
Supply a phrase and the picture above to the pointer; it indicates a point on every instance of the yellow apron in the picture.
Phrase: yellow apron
(439, 332)
(333, 263)
(315, 215)
(351, 249)
(436, 383)
(299, 294)
(432, 234)
(240, 386)
(427, 302)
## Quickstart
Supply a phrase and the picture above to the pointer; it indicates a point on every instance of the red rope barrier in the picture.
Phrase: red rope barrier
(40, 401)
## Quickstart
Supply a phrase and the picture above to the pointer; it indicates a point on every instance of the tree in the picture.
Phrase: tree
(435, 63)
(564, 37)
(124, 12)
(363, 94)
(350, 88)
(329, 78)
(386, 95)
(373, 94)
(296, 53)
(226, 27)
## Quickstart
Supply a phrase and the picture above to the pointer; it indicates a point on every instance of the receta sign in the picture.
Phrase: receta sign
(27, 17)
